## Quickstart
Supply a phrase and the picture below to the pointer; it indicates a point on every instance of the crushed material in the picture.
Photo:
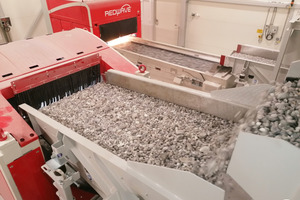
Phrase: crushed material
(169, 56)
(140, 128)
(278, 115)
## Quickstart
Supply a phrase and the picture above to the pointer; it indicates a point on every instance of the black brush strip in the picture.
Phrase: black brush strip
(53, 91)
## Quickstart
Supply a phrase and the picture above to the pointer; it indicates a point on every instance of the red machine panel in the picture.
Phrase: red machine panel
(121, 17)
(26, 57)
(30, 179)
(12, 122)
(52, 53)
(52, 74)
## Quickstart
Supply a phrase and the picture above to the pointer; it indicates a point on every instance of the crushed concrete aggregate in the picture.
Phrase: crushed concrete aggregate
(278, 115)
(140, 128)
(169, 56)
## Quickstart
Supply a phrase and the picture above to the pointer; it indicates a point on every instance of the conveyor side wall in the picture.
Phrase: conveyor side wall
(190, 98)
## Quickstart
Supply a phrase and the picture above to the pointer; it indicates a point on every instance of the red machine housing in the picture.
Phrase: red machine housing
(28, 64)
(107, 19)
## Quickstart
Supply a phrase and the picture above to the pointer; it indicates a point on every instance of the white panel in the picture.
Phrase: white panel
(2, 40)
(148, 19)
(266, 168)
(292, 52)
(173, 180)
(168, 19)
(297, 194)
(218, 28)
(22, 15)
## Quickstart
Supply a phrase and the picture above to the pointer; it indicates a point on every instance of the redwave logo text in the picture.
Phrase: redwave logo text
(126, 8)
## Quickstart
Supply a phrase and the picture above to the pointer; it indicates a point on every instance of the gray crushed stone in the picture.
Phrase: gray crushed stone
(169, 56)
(140, 128)
(278, 115)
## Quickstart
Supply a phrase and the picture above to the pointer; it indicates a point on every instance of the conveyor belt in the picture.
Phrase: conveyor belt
(254, 58)
(140, 128)
(169, 56)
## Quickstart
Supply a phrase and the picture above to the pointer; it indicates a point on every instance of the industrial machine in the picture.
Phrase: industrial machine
(106, 19)
(114, 19)
(43, 70)
(247, 65)
(177, 65)
(42, 60)
(47, 68)
(39, 71)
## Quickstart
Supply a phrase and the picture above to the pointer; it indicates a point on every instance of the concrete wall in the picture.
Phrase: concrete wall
(23, 15)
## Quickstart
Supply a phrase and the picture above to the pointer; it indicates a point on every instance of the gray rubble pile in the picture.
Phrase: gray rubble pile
(140, 128)
(279, 114)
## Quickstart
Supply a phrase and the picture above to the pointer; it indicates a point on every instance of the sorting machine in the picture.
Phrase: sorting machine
(106, 19)
(29, 69)
(247, 65)
(42, 70)
(113, 19)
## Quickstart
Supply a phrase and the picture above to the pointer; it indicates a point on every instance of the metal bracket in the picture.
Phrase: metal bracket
(5, 25)
(62, 180)
(5, 22)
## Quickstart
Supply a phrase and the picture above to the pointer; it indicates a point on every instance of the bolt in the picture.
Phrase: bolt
(89, 177)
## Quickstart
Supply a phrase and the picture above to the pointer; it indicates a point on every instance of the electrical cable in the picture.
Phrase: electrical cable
(193, 75)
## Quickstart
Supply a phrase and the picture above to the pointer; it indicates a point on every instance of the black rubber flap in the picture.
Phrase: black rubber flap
(118, 29)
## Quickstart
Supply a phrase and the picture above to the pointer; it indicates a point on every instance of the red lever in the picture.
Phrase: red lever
(3, 136)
